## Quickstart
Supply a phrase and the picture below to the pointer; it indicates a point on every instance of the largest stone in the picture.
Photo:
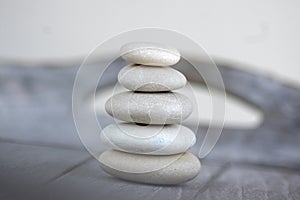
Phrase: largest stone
(165, 170)
(149, 108)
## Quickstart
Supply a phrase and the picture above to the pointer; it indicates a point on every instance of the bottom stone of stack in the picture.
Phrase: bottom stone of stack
(151, 169)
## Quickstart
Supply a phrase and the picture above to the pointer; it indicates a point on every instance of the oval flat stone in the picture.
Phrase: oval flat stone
(151, 140)
(151, 78)
(147, 53)
(149, 108)
(172, 169)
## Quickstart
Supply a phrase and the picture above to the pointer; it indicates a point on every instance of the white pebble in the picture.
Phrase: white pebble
(172, 169)
(149, 108)
(151, 139)
(147, 53)
(151, 78)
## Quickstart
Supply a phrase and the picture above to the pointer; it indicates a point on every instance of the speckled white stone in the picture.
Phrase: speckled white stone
(151, 78)
(150, 54)
(172, 169)
(151, 139)
(149, 108)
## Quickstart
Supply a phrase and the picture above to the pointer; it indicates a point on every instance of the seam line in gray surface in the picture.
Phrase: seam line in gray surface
(67, 171)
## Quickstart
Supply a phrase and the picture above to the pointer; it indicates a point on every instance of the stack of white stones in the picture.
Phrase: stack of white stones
(151, 146)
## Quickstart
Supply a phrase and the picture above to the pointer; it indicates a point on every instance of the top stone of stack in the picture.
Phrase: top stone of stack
(150, 71)
(151, 54)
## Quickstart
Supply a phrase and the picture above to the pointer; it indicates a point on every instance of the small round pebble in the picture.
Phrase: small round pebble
(147, 53)
(165, 170)
(151, 78)
(151, 139)
(149, 108)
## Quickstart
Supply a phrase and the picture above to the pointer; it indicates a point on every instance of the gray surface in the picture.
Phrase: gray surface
(26, 169)
(41, 155)
(90, 181)
(254, 182)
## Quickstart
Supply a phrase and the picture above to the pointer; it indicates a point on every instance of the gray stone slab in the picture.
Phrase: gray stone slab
(44, 95)
(39, 101)
(260, 146)
(24, 169)
(89, 181)
(276, 141)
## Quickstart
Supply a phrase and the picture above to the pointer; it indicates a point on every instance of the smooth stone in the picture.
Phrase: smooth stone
(151, 78)
(151, 140)
(165, 170)
(149, 108)
(147, 53)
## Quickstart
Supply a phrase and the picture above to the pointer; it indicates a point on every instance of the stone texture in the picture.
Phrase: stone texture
(150, 54)
(151, 139)
(172, 169)
(151, 78)
(149, 108)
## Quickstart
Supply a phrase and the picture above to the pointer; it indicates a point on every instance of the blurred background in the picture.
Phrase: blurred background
(263, 35)
(255, 45)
